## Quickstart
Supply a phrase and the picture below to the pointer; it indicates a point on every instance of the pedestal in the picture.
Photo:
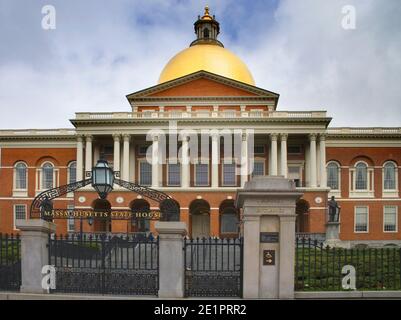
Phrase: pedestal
(269, 237)
(34, 253)
(332, 235)
(171, 258)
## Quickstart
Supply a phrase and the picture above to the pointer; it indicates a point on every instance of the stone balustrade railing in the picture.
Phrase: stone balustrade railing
(200, 114)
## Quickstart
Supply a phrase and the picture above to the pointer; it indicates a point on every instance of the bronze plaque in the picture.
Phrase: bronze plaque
(269, 257)
(269, 237)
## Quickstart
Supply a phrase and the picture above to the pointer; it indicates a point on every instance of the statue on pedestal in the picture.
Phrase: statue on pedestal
(334, 210)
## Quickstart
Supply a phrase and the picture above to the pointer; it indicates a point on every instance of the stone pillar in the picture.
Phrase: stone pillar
(116, 158)
(215, 161)
(88, 153)
(284, 165)
(34, 253)
(323, 173)
(80, 158)
(313, 166)
(268, 205)
(185, 169)
(244, 159)
(171, 259)
(126, 139)
(155, 162)
(273, 149)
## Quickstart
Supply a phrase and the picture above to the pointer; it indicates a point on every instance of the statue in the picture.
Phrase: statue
(334, 210)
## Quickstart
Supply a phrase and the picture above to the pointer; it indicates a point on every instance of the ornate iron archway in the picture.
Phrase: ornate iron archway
(43, 201)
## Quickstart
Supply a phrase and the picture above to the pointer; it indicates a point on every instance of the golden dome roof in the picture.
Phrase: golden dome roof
(208, 54)
(207, 57)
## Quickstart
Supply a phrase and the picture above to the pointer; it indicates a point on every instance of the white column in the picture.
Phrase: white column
(284, 165)
(126, 139)
(244, 159)
(155, 162)
(88, 153)
(323, 173)
(313, 167)
(116, 159)
(273, 150)
(80, 158)
(215, 160)
(185, 169)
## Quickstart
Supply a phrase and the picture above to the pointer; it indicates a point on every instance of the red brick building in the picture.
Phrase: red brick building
(207, 96)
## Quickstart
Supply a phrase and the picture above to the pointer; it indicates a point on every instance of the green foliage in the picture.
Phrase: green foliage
(319, 269)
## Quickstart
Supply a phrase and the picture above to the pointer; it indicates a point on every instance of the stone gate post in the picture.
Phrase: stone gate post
(268, 205)
(34, 253)
(171, 258)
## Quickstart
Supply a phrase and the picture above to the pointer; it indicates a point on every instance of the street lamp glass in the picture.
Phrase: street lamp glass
(102, 178)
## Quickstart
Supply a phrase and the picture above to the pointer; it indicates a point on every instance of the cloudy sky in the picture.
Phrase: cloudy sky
(102, 50)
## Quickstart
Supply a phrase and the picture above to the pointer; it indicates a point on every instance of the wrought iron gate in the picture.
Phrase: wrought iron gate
(10, 262)
(102, 264)
(213, 267)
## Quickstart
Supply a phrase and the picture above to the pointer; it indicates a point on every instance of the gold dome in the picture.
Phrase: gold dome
(207, 57)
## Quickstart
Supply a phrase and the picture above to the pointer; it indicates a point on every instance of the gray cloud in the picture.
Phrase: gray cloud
(103, 50)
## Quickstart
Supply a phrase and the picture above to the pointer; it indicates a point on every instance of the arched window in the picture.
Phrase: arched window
(206, 33)
(333, 176)
(361, 176)
(229, 218)
(47, 176)
(141, 205)
(389, 176)
(72, 172)
(20, 176)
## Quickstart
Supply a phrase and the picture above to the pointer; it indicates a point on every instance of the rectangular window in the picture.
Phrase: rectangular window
(259, 149)
(390, 219)
(70, 221)
(142, 150)
(361, 219)
(174, 174)
(258, 168)
(201, 174)
(145, 173)
(19, 213)
(294, 149)
(229, 178)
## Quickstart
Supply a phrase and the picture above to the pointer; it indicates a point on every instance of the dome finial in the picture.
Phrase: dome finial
(207, 10)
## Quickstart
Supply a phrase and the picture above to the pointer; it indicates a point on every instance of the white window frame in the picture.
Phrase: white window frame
(230, 162)
(208, 174)
(40, 176)
(14, 214)
(367, 219)
(367, 193)
(259, 160)
(334, 192)
(173, 162)
(396, 218)
(139, 171)
(390, 193)
(19, 192)
(70, 207)
(68, 171)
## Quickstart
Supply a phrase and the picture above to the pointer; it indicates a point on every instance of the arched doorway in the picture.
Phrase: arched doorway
(302, 211)
(140, 225)
(229, 219)
(166, 207)
(199, 211)
(101, 224)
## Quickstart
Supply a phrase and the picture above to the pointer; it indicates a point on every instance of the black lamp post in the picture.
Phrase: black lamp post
(102, 178)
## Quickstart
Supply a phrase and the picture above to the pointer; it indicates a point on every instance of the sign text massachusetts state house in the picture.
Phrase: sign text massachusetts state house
(199, 135)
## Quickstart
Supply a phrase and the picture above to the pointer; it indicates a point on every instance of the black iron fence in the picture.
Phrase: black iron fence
(213, 267)
(105, 264)
(319, 267)
(10, 262)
